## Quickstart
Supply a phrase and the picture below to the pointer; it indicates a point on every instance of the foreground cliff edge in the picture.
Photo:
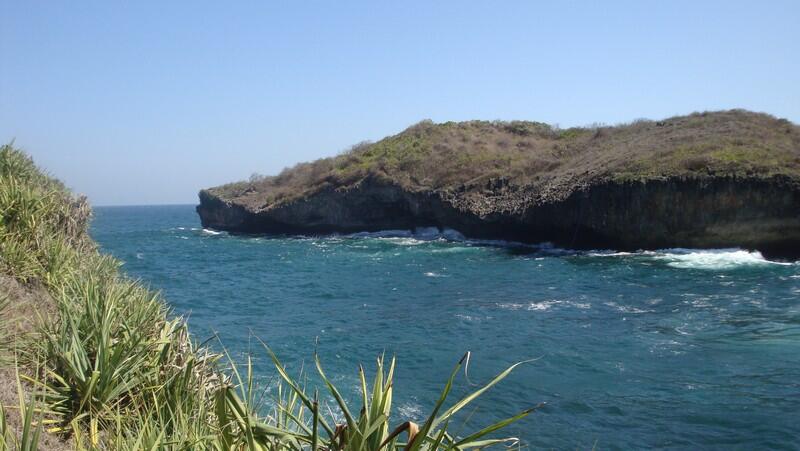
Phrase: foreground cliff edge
(90, 359)
(706, 180)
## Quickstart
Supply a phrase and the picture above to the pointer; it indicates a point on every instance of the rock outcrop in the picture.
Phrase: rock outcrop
(702, 197)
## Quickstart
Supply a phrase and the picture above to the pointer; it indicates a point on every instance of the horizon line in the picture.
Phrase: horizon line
(143, 205)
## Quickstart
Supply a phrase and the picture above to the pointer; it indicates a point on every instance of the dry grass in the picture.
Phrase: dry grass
(19, 319)
(469, 157)
(9, 397)
(30, 302)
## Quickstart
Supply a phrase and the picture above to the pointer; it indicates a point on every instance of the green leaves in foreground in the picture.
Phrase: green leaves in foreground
(371, 429)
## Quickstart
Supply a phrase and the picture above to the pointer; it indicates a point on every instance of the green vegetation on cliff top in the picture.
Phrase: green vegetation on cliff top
(90, 359)
(463, 158)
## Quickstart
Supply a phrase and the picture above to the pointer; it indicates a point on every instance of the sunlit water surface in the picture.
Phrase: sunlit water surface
(673, 349)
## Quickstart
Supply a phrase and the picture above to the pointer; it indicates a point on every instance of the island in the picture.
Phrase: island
(704, 180)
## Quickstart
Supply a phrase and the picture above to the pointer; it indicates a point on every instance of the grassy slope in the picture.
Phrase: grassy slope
(107, 367)
(89, 310)
(462, 157)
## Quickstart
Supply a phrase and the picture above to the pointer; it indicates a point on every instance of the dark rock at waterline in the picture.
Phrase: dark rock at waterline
(761, 214)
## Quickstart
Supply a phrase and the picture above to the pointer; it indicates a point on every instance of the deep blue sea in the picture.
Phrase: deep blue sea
(672, 349)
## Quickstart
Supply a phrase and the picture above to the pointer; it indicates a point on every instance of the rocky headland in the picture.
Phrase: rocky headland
(706, 180)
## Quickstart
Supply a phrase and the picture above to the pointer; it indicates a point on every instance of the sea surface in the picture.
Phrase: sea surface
(679, 349)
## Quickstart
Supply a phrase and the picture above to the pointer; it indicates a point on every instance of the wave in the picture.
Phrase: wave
(422, 235)
(419, 233)
(711, 258)
(682, 258)
(610, 253)
(413, 237)
(543, 306)
(211, 232)
(383, 234)
(626, 308)
(410, 411)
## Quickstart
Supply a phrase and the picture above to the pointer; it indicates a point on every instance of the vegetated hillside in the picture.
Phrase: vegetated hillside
(90, 359)
(488, 167)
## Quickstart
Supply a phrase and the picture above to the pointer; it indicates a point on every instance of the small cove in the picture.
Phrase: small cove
(674, 348)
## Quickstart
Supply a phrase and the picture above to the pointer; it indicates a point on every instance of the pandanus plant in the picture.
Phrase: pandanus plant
(296, 422)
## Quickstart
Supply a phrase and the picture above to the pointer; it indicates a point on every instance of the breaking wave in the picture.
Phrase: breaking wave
(420, 234)
(712, 258)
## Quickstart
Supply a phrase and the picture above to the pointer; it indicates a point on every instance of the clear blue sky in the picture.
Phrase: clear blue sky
(147, 102)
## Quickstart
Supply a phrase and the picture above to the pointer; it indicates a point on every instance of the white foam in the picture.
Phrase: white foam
(609, 254)
(468, 318)
(410, 411)
(455, 249)
(626, 308)
(712, 258)
(421, 234)
(211, 232)
(542, 306)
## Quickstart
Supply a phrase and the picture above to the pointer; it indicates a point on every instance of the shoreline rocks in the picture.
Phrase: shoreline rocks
(712, 212)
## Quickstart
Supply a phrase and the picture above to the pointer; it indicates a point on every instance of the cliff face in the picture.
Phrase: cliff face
(761, 214)
(702, 197)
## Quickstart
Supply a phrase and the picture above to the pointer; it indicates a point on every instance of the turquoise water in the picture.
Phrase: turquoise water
(673, 349)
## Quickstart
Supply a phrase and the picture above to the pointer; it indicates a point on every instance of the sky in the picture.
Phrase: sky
(137, 103)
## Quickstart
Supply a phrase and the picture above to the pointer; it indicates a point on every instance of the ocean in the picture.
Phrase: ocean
(681, 349)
